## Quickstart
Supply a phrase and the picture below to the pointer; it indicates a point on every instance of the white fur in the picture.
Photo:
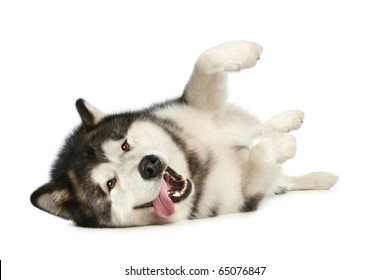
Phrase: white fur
(210, 123)
(219, 126)
(98, 115)
(240, 168)
(284, 122)
(131, 189)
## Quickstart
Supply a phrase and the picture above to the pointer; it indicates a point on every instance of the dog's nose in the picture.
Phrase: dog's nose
(150, 167)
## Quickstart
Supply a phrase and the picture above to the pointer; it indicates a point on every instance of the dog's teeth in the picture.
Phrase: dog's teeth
(176, 194)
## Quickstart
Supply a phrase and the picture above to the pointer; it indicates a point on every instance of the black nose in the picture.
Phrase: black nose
(150, 167)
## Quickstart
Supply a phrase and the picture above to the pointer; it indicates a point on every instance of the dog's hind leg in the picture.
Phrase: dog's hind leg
(285, 122)
(207, 90)
(311, 181)
(263, 173)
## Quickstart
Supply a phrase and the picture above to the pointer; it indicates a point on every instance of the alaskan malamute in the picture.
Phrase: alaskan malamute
(191, 157)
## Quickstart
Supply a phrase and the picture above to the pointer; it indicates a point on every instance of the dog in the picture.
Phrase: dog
(195, 156)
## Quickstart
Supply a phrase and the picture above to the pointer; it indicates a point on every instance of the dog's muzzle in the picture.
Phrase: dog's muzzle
(174, 187)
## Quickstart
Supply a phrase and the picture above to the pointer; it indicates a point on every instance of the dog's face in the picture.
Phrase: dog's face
(115, 171)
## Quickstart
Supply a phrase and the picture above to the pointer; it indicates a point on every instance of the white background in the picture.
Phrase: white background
(329, 59)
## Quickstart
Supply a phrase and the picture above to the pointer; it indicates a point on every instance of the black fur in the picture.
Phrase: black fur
(214, 212)
(200, 178)
(87, 117)
(49, 188)
(252, 203)
(82, 152)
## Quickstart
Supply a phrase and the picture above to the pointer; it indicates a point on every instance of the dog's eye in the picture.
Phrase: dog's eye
(125, 146)
(111, 184)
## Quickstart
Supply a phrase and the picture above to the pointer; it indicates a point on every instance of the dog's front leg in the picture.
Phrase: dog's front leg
(206, 90)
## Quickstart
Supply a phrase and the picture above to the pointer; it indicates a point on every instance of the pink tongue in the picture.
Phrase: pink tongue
(163, 205)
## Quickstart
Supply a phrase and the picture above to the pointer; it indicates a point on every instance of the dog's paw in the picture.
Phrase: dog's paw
(284, 122)
(229, 57)
(280, 146)
(321, 180)
(287, 147)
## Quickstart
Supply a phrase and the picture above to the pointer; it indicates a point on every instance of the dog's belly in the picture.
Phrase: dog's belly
(222, 189)
(223, 151)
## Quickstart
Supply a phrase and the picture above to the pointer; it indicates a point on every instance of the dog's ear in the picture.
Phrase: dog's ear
(90, 116)
(54, 199)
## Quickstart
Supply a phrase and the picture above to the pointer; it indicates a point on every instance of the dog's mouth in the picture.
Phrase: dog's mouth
(179, 187)
(174, 188)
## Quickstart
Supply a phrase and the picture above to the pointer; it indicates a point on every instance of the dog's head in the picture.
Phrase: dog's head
(117, 170)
